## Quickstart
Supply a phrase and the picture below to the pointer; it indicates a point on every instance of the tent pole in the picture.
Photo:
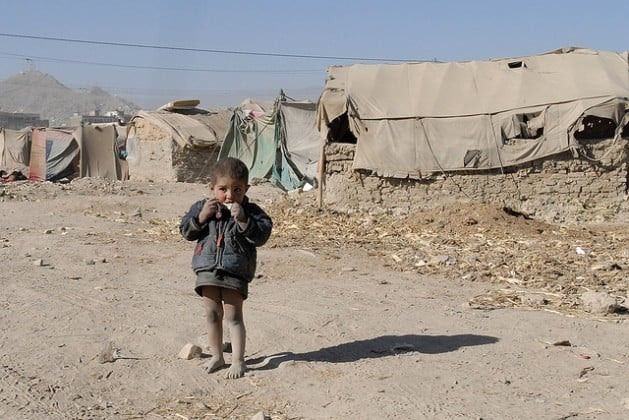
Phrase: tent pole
(321, 174)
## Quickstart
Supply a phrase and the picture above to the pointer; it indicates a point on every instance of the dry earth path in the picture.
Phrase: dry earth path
(337, 328)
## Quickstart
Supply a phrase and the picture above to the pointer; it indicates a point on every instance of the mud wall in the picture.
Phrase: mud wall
(150, 160)
(563, 189)
(194, 164)
(155, 156)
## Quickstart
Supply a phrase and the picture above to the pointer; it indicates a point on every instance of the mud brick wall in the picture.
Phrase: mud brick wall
(561, 189)
(152, 161)
(194, 164)
(164, 160)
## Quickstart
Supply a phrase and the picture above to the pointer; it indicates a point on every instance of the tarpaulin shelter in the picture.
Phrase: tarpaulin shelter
(281, 144)
(53, 154)
(414, 118)
(15, 149)
(178, 142)
(100, 154)
(49, 154)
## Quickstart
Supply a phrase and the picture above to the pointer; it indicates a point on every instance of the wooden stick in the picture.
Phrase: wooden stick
(321, 173)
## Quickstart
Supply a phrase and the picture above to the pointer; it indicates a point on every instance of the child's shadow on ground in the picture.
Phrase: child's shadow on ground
(383, 346)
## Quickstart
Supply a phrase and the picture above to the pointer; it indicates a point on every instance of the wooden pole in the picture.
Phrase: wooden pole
(321, 173)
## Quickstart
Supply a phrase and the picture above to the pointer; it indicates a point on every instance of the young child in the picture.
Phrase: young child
(227, 228)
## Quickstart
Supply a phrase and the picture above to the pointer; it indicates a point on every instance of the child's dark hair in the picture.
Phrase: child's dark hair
(231, 167)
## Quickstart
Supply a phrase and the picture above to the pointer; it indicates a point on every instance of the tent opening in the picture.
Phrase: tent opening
(339, 131)
(531, 125)
(516, 64)
(592, 127)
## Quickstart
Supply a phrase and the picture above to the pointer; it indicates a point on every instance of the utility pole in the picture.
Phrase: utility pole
(30, 66)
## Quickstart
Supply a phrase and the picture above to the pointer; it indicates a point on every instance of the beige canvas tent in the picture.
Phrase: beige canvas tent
(416, 118)
(175, 143)
(100, 155)
(15, 149)
(50, 154)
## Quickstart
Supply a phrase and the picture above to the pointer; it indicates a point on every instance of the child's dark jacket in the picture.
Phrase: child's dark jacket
(222, 244)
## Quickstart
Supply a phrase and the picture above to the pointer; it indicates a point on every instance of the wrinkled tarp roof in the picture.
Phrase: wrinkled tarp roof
(193, 128)
(415, 117)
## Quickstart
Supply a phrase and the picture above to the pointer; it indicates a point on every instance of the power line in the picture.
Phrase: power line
(29, 58)
(171, 48)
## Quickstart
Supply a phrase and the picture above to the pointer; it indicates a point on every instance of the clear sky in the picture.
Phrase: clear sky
(201, 43)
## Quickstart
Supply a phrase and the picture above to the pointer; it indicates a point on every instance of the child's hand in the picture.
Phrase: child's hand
(238, 213)
(210, 208)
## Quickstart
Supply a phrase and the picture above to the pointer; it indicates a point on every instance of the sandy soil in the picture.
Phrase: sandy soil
(467, 312)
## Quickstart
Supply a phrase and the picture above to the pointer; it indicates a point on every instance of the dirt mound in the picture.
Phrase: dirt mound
(472, 242)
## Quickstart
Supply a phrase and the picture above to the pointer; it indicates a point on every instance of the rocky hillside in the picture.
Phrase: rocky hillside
(40, 93)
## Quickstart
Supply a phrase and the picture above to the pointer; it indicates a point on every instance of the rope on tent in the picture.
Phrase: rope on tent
(443, 172)
(515, 183)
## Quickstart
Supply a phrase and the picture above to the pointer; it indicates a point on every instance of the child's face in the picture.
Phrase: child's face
(229, 190)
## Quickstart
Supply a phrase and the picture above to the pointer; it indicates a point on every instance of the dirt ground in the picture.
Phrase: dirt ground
(468, 311)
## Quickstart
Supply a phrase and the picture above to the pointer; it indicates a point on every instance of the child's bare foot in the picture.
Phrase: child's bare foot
(215, 363)
(236, 370)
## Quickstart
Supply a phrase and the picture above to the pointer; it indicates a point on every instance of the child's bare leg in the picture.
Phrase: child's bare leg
(212, 300)
(234, 318)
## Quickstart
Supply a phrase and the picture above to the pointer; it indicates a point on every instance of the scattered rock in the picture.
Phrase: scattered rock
(259, 416)
(190, 351)
(605, 266)
(599, 302)
(38, 263)
(534, 300)
(440, 260)
(107, 353)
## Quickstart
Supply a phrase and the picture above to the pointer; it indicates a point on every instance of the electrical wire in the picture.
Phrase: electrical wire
(204, 50)
(131, 66)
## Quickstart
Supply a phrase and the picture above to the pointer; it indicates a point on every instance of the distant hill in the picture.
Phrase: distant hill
(39, 93)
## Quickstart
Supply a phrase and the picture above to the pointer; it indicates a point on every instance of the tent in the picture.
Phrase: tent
(178, 142)
(100, 154)
(15, 149)
(280, 144)
(411, 119)
(49, 154)
(53, 154)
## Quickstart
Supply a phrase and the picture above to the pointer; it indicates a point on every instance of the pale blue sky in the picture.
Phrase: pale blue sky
(390, 30)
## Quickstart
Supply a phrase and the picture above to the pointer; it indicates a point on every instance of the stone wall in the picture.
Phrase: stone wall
(155, 156)
(150, 160)
(193, 164)
(561, 189)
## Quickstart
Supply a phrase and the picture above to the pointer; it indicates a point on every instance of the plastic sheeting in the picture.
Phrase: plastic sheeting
(281, 145)
(15, 148)
(52, 154)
